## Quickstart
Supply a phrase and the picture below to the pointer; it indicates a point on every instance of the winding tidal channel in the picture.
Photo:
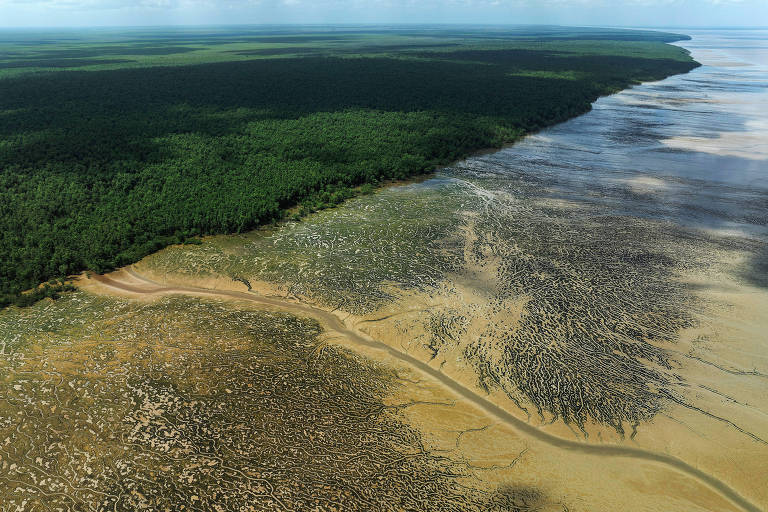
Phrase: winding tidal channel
(138, 284)
(575, 322)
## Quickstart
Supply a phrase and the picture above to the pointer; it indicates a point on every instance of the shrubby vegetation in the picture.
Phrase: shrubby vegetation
(99, 168)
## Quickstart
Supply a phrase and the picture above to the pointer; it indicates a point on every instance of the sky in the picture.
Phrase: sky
(632, 13)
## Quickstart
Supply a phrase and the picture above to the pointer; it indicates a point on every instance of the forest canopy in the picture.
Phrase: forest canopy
(114, 145)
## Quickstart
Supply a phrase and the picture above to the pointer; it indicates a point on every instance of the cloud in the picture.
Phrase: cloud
(181, 4)
(564, 12)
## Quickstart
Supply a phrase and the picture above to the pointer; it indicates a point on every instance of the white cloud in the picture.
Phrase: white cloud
(564, 12)
(177, 4)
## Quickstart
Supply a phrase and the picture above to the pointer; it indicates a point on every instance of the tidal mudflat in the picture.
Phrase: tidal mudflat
(182, 403)
(602, 280)
(576, 322)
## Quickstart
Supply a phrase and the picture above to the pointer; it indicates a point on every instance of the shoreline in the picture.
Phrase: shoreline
(293, 212)
(435, 294)
(370, 342)
(429, 174)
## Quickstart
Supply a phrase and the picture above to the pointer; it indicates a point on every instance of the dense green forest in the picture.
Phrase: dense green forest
(99, 167)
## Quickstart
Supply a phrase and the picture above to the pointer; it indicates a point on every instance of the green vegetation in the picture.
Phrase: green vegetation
(156, 138)
(24, 51)
(49, 290)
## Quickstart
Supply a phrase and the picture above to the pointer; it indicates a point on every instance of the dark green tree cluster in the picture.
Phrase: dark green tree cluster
(99, 168)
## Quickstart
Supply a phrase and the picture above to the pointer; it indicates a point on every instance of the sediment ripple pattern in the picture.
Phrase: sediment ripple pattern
(599, 302)
(189, 404)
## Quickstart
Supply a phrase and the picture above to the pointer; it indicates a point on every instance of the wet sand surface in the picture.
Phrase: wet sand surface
(134, 283)
(576, 322)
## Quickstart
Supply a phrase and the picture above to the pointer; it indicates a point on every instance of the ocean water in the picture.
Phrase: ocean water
(691, 149)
